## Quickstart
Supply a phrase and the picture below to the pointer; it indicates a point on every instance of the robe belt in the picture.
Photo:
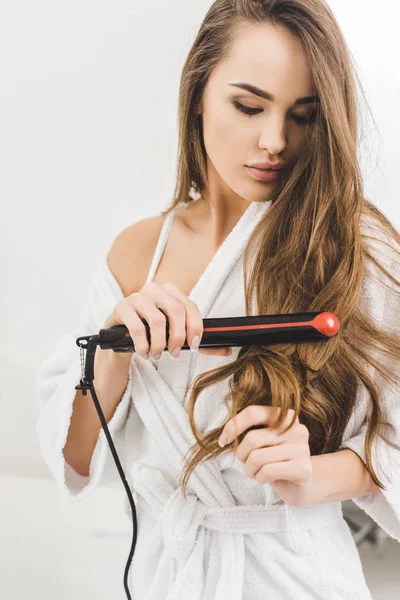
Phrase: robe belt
(184, 523)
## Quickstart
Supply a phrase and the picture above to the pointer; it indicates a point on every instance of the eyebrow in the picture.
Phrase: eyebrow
(263, 94)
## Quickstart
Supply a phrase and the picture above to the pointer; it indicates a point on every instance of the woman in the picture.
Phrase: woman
(307, 425)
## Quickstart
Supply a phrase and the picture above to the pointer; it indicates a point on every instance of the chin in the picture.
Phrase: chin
(264, 195)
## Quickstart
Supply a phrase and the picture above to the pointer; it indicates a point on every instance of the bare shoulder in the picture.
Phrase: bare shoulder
(131, 253)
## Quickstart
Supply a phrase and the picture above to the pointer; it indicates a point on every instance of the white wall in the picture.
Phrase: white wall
(88, 99)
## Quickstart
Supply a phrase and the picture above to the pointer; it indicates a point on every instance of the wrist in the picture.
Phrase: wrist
(110, 365)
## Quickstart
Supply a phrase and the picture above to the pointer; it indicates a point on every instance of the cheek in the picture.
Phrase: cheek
(225, 142)
(297, 139)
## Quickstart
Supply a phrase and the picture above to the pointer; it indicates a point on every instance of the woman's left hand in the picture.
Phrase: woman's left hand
(281, 459)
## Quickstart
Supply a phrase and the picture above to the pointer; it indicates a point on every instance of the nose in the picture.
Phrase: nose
(273, 136)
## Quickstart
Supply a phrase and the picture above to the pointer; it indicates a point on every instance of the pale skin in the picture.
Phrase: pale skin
(271, 59)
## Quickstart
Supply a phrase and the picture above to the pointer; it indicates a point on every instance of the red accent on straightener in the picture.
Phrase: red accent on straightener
(326, 322)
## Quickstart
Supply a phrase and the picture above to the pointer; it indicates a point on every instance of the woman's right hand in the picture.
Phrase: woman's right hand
(155, 303)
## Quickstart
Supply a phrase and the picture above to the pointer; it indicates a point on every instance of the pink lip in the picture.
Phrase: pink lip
(265, 175)
(267, 165)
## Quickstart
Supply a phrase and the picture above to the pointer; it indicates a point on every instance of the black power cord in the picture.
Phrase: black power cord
(86, 383)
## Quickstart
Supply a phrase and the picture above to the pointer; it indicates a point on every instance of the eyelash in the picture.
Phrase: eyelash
(299, 119)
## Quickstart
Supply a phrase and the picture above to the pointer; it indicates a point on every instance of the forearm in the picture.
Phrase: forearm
(111, 372)
(339, 476)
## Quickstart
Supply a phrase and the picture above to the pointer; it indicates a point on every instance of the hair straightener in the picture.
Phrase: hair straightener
(260, 330)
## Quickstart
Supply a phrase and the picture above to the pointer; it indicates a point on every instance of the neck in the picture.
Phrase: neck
(217, 218)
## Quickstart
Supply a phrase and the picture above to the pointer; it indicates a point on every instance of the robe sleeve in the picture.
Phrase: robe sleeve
(382, 506)
(55, 382)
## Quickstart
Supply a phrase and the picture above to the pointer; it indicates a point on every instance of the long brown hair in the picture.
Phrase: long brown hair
(310, 249)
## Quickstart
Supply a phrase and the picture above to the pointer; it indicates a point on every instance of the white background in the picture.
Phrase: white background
(88, 102)
(88, 137)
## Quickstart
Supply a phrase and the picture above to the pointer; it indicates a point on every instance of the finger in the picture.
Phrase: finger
(217, 351)
(256, 439)
(252, 415)
(272, 454)
(194, 320)
(144, 303)
(174, 306)
(125, 314)
(297, 437)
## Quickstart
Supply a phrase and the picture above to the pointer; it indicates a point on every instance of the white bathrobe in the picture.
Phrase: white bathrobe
(233, 539)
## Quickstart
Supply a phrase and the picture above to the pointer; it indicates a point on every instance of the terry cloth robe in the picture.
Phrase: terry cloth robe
(233, 538)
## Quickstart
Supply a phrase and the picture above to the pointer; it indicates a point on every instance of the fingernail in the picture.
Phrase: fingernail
(176, 352)
(222, 440)
(195, 343)
(157, 356)
(146, 356)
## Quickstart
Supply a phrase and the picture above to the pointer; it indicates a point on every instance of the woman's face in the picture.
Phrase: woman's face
(271, 59)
